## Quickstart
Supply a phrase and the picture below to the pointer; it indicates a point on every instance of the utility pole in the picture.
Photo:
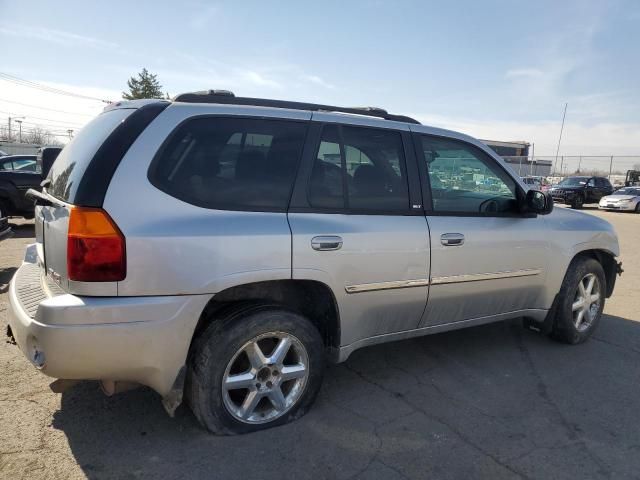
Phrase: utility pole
(560, 138)
(533, 157)
(9, 123)
(610, 167)
(19, 122)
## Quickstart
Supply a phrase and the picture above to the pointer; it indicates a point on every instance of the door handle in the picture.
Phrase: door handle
(328, 242)
(452, 239)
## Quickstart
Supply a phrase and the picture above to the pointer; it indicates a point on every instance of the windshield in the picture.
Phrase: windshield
(574, 181)
(627, 191)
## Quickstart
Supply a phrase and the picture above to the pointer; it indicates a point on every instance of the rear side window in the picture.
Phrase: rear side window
(231, 163)
(359, 168)
(69, 167)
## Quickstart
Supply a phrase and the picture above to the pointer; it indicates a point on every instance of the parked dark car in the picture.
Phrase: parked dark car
(578, 191)
(19, 173)
(46, 157)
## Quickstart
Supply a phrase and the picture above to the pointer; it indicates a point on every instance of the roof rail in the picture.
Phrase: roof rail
(228, 98)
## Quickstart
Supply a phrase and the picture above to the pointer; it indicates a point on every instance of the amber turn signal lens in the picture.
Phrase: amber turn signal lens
(95, 247)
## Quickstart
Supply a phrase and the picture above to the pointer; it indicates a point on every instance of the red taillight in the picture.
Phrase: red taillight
(95, 247)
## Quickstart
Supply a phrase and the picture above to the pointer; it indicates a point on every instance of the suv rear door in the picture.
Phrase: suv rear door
(357, 224)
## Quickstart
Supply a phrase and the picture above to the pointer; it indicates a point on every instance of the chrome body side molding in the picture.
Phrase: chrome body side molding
(370, 287)
(477, 277)
(422, 282)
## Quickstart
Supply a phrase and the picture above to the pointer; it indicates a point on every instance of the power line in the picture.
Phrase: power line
(39, 124)
(44, 108)
(11, 114)
(28, 83)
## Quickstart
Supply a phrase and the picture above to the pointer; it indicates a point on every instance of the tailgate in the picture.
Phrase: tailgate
(63, 180)
(52, 245)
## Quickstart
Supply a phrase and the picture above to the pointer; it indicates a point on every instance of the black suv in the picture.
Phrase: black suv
(576, 191)
(19, 173)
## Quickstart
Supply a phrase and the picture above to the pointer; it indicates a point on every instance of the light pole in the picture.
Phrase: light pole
(19, 122)
(9, 122)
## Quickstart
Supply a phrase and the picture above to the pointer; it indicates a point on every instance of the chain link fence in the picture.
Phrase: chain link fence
(612, 166)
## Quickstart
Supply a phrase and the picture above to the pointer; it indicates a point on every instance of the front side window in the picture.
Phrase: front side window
(231, 163)
(6, 165)
(25, 165)
(464, 179)
(359, 169)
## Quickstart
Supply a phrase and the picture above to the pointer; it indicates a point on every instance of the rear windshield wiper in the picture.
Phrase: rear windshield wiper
(43, 199)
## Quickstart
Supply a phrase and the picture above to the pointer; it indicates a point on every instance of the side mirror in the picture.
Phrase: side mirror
(538, 202)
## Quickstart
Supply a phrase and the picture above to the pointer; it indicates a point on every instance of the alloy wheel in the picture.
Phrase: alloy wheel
(586, 303)
(265, 378)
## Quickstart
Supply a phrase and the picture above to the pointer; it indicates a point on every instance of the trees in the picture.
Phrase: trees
(145, 85)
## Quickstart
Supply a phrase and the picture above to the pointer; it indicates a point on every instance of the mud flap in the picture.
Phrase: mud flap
(546, 326)
(174, 398)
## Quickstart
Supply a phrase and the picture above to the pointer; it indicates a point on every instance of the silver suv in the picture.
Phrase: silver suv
(223, 247)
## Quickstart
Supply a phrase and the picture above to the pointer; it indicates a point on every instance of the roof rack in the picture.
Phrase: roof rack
(228, 98)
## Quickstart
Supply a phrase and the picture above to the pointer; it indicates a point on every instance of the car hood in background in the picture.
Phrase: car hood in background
(617, 198)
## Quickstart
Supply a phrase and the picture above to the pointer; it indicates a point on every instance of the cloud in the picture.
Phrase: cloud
(260, 79)
(58, 37)
(524, 72)
(203, 16)
(317, 81)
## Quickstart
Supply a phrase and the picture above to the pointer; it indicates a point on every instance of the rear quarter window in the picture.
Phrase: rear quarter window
(69, 167)
(231, 163)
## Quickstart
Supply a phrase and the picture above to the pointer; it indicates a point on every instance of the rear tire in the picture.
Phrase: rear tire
(256, 368)
(581, 301)
(637, 210)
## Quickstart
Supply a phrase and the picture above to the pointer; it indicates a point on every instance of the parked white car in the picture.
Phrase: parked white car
(627, 199)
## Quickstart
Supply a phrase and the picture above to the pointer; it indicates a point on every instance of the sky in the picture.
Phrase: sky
(495, 69)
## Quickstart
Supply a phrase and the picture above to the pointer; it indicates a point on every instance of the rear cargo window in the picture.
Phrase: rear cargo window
(69, 167)
(231, 163)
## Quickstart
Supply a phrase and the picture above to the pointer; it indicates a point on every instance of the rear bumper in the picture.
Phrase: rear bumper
(135, 339)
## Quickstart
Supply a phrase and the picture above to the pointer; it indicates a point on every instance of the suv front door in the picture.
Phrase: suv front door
(358, 227)
(486, 258)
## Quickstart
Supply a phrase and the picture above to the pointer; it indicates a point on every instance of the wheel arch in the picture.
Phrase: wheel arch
(313, 299)
(609, 264)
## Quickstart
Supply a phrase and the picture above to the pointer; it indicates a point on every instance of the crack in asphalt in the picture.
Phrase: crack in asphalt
(543, 392)
(617, 345)
(466, 440)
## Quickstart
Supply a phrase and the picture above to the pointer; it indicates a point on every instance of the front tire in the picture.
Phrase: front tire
(256, 368)
(581, 301)
(577, 202)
